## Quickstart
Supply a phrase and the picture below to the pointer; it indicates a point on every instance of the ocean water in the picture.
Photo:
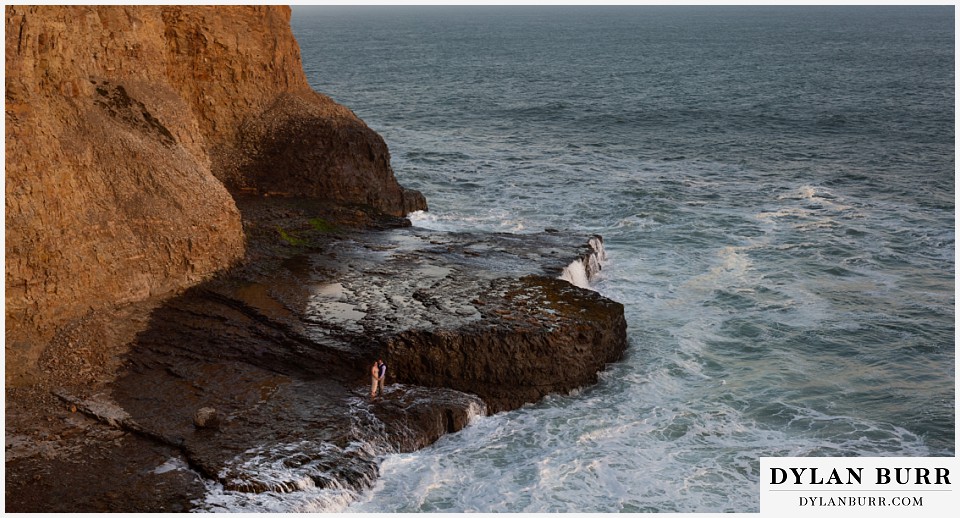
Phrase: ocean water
(775, 186)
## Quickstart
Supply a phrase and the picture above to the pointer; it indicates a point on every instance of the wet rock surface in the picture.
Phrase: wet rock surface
(281, 348)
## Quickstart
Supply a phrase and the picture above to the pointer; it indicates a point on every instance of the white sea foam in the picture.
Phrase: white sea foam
(576, 274)
(172, 464)
(491, 221)
(282, 477)
(582, 271)
(422, 218)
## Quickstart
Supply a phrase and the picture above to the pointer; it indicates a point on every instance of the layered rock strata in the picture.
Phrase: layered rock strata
(468, 323)
(126, 129)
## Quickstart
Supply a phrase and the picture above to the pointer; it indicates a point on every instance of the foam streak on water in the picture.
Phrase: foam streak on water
(775, 190)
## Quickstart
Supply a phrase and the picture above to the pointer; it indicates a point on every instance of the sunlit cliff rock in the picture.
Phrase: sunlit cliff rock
(127, 129)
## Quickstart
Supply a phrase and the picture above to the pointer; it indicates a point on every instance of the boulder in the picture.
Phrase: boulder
(206, 418)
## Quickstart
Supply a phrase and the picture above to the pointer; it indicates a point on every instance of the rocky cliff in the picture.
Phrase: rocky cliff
(127, 129)
(149, 148)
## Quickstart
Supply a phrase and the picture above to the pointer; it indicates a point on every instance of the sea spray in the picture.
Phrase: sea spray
(292, 476)
(586, 268)
(309, 476)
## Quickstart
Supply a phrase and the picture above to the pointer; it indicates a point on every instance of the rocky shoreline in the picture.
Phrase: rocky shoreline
(182, 333)
(280, 345)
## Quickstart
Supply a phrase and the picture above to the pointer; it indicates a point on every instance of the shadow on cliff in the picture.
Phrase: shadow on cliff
(283, 393)
(468, 323)
(305, 143)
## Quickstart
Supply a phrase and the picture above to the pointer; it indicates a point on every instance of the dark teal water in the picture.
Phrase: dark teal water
(776, 190)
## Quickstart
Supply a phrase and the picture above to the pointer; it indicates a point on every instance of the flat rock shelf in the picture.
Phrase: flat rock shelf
(280, 349)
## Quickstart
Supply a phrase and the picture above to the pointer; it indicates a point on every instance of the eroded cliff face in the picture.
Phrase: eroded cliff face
(126, 130)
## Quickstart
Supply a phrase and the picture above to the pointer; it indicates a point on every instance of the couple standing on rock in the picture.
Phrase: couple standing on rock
(378, 377)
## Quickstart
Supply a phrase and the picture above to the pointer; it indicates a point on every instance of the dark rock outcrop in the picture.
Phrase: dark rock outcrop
(468, 323)
(554, 337)
(302, 133)
(206, 418)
